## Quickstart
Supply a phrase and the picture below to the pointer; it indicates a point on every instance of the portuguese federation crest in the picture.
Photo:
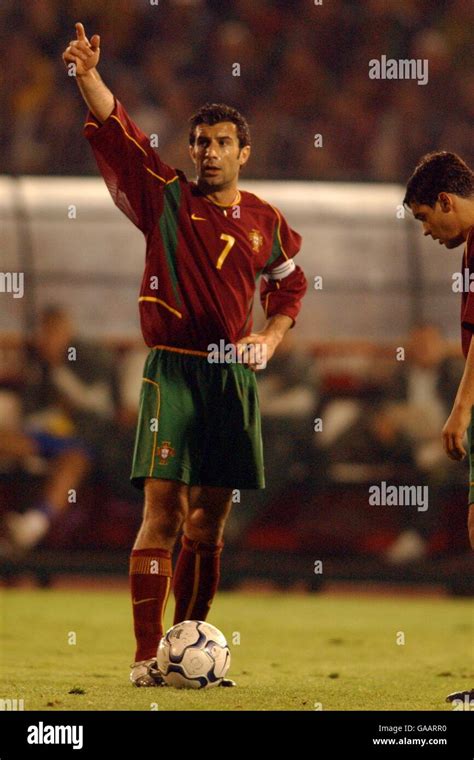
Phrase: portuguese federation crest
(164, 452)
(256, 240)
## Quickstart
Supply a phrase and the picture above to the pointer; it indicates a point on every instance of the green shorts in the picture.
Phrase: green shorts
(198, 423)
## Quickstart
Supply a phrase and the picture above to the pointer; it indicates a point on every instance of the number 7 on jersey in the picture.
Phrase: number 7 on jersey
(230, 242)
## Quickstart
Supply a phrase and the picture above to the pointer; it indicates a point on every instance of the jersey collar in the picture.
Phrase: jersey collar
(235, 202)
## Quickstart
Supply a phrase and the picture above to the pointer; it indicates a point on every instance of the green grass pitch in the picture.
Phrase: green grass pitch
(296, 652)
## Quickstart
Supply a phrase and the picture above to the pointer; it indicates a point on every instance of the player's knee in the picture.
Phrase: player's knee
(205, 525)
(165, 522)
(164, 510)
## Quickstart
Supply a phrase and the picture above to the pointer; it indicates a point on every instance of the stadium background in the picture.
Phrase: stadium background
(304, 71)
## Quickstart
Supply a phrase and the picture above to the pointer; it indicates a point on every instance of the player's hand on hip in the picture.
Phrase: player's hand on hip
(84, 54)
(453, 432)
(256, 349)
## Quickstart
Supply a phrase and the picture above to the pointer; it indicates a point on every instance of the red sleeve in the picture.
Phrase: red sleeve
(132, 170)
(467, 311)
(283, 283)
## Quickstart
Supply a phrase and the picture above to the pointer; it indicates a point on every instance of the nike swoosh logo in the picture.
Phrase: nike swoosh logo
(142, 601)
(198, 218)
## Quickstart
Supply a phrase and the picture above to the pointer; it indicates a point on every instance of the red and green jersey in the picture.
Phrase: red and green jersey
(203, 259)
(467, 297)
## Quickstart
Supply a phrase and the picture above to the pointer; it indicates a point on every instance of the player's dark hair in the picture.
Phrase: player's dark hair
(439, 172)
(213, 113)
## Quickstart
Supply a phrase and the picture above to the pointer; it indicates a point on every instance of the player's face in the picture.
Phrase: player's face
(217, 155)
(440, 222)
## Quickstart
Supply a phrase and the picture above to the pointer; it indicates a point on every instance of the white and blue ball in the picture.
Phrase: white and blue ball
(193, 655)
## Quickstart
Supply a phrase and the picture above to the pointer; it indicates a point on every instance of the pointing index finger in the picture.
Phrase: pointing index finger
(80, 31)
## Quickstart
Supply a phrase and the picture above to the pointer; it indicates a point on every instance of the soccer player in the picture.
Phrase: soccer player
(440, 194)
(198, 434)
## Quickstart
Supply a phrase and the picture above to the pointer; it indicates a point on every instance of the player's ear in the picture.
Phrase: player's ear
(191, 153)
(244, 155)
(445, 201)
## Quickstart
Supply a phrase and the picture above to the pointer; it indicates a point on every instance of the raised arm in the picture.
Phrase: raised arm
(133, 171)
(85, 57)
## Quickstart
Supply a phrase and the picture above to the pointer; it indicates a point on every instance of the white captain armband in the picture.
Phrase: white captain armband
(281, 271)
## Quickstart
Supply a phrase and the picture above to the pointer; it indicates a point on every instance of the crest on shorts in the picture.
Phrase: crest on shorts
(256, 240)
(164, 452)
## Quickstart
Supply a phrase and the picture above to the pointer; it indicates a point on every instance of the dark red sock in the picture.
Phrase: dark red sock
(196, 578)
(150, 582)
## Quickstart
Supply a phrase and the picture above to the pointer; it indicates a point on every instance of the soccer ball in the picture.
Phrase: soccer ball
(193, 655)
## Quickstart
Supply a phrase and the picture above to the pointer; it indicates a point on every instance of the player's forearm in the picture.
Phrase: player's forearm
(96, 94)
(277, 326)
(465, 395)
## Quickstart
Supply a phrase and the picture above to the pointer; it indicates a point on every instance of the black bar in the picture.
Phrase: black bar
(207, 734)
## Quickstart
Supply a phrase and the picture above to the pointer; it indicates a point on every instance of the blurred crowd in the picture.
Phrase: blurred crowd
(67, 427)
(332, 433)
(303, 71)
(67, 419)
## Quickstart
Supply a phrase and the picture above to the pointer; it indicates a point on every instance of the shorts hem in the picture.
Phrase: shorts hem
(138, 481)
